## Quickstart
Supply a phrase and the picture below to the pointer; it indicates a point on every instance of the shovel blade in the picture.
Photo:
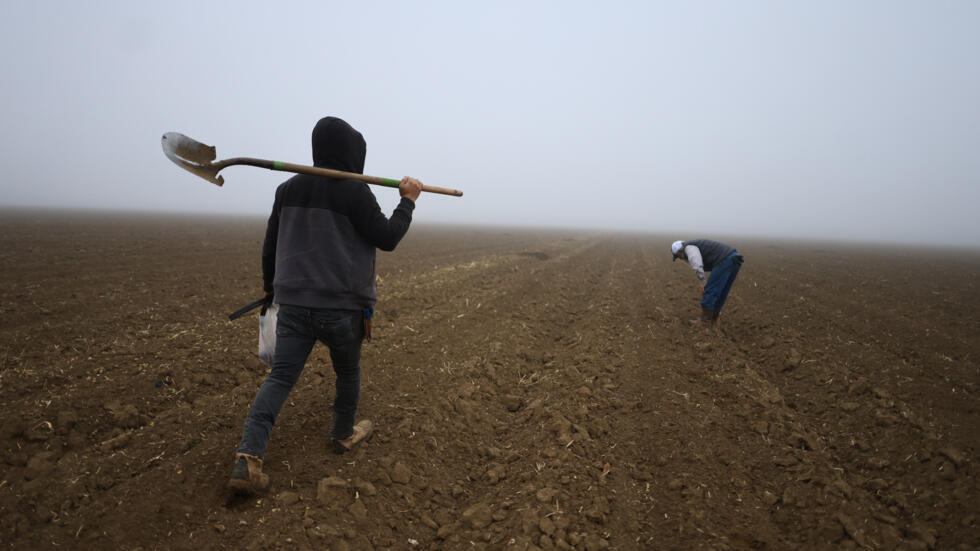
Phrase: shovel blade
(191, 155)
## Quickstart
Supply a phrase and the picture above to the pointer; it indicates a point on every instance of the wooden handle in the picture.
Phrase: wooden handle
(331, 173)
(442, 190)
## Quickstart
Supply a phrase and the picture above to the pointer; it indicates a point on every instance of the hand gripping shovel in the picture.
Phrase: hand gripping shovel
(197, 158)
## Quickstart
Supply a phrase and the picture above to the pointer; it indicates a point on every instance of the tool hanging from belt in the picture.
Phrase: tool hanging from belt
(264, 302)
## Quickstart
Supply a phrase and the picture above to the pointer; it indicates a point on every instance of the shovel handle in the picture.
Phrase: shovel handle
(331, 173)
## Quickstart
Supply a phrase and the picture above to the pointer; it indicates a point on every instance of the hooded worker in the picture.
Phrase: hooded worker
(723, 261)
(318, 263)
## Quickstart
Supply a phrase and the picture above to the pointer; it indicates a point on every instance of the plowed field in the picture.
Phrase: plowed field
(531, 390)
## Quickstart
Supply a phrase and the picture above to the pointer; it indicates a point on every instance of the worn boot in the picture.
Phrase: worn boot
(708, 316)
(247, 477)
(714, 316)
(362, 431)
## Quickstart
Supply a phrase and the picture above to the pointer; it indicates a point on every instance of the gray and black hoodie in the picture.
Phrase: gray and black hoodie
(322, 236)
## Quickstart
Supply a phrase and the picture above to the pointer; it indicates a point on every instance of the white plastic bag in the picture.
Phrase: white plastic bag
(267, 333)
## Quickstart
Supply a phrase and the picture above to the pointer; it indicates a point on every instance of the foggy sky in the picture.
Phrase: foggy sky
(840, 120)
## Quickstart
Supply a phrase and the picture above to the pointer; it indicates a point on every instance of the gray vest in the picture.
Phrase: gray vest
(712, 252)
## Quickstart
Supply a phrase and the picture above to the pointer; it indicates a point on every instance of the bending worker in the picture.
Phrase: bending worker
(722, 260)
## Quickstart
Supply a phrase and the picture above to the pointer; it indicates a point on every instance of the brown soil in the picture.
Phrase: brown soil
(530, 389)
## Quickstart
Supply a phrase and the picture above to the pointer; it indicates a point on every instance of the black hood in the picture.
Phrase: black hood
(338, 146)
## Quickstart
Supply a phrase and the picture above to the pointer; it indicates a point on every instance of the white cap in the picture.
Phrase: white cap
(676, 248)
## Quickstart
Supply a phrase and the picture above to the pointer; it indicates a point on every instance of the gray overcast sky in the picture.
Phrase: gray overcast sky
(837, 119)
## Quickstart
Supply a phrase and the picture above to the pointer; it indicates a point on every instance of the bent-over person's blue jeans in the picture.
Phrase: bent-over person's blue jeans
(297, 330)
(720, 282)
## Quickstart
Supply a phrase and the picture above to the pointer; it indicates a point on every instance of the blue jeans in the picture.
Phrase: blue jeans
(720, 282)
(297, 330)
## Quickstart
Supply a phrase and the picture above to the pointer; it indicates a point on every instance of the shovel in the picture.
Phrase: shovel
(197, 158)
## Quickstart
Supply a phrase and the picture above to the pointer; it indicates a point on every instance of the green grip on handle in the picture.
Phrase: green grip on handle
(390, 183)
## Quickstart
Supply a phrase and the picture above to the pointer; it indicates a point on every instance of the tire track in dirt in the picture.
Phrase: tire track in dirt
(482, 384)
